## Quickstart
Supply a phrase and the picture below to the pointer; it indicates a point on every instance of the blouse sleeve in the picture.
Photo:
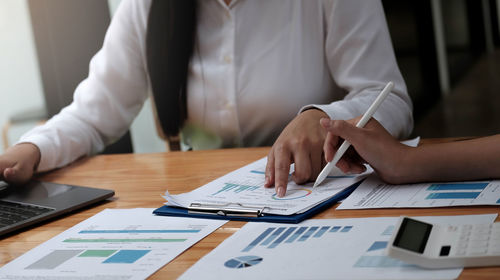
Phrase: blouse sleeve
(107, 101)
(361, 61)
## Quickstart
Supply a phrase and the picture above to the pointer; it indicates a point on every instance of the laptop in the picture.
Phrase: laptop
(25, 205)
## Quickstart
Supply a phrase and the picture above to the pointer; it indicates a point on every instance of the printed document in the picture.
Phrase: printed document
(318, 249)
(245, 188)
(113, 244)
(374, 193)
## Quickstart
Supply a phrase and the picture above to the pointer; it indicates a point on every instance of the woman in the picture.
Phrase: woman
(236, 71)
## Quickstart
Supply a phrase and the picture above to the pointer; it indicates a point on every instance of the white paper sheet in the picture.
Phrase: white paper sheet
(317, 249)
(374, 193)
(412, 142)
(113, 244)
(246, 187)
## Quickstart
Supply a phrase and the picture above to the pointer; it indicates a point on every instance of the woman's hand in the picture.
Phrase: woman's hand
(301, 142)
(18, 163)
(372, 144)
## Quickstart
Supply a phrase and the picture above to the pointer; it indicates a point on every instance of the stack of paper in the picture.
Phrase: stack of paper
(244, 188)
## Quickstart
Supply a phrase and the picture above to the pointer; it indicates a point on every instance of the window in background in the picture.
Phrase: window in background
(20, 83)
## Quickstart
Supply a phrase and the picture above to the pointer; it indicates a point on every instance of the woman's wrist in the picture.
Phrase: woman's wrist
(402, 168)
(30, 152)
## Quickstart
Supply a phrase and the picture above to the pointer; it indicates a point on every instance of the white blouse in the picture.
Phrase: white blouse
(256, 64)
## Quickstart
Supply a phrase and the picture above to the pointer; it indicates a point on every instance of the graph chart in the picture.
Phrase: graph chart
(108, 246)
(374, 193)
(457, 186)
(122, 240)
(272, 237)
(388, 231)
(58, 257)
(236, 188)
(90, 239)
(137, 231)
(375, 257)
(378, 245)
(54, 259)
(456, 190)
(243, 261)
(380, 261)
(129, 235)
(126, 256)
(330, 249)
(453, 195)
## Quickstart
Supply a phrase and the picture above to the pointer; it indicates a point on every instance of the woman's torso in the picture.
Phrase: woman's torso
(256, 63)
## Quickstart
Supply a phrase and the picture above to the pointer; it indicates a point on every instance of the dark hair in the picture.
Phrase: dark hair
(170, 41)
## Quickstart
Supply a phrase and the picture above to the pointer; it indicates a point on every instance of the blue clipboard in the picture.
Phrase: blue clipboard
(291, 219)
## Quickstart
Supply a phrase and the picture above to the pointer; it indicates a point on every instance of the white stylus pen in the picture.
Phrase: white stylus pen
(343, 148)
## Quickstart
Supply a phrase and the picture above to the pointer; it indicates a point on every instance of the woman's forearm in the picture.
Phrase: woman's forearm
(455, 161)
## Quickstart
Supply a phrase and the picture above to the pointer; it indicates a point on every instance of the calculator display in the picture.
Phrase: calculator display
(413, 235)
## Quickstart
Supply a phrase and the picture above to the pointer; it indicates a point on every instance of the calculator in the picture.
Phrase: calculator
(445, 246)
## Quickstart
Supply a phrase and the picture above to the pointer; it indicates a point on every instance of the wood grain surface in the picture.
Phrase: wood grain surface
(139, 180)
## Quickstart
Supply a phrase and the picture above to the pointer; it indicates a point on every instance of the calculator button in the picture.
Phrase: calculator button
(460, 252)
(478, 243)
(481, 231)
(465, 230)
(495, 234)
(464, 233)
(481, 227)
(494, 241)
(479, 237)
(463, 237)
(452, 228)
(477, 251)
(494, 249)
(495, 252)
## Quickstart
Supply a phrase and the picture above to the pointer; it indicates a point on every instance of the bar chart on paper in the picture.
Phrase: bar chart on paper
(125, 243)
(373, 193)
(129, 236)
(375, 256)
(272, 237)
(455, 190)
(236, 188)
(316, 249)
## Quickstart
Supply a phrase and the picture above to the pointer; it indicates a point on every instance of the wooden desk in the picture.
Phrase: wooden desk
(140, 179)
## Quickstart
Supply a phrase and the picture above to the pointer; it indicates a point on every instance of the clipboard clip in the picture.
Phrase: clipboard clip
(228, 209)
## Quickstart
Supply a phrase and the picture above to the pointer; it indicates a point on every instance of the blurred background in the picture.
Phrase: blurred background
(446, 50)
